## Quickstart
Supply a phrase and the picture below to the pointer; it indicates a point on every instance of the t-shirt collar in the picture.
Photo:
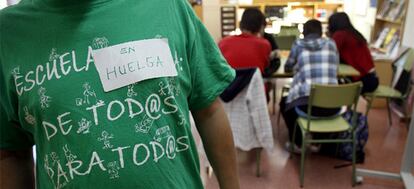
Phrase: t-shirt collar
(247, 35)
(62, 4)
(312, 36)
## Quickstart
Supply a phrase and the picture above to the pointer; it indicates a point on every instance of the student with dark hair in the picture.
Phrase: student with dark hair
(274, 57)
(248, 49)
(353, 50)
(315, 61)
(252, 20)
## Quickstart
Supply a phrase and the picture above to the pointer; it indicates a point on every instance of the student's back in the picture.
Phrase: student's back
(353, 50)
(314, 60)
(246, 50)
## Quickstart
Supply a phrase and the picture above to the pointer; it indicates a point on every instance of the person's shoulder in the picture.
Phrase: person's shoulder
(259, 41)
(341, 34)
(329, 41)
(227, 39)
(9, 13)
(298, 42)
(180, 5)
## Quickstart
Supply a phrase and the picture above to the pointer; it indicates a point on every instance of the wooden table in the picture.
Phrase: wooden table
(344, 70)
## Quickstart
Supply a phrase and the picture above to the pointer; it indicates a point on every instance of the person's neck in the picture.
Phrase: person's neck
(71, 3)
(250, 33)
(312, 36)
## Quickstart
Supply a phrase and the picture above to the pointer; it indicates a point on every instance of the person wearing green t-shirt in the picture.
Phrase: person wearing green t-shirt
(104, 89)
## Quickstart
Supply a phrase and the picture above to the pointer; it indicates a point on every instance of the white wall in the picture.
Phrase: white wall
(362, 15)
(408, 39)
(211, 18)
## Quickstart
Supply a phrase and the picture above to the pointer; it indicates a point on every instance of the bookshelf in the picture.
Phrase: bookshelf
(389, 26)
(279, 10)
(197, 7)
(386, 39)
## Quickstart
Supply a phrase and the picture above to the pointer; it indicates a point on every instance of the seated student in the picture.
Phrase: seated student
(248, 49)
(353, 50)
(315, 61)
(274, 57)
(274, 60)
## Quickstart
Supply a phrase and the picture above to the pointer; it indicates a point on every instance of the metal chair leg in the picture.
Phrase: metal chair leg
(278, 118)
(354, 179)
(281, 96)
(292, 140)
(302, 160)
(274, 97)
(389, 112)
(369, 104)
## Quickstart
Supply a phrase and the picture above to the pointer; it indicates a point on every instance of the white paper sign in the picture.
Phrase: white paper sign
(127, 63)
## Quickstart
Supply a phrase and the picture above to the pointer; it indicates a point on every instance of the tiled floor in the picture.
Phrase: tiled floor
(383, 152)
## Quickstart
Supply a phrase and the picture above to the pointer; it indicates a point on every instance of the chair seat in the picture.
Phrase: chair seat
(385, 92)
(336, 124)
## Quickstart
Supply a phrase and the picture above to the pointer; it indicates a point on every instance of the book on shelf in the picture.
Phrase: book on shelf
(387, 41)
(381, 37)
(385, 8)
(392, 10)
(391, 46)
(389, 37)
(396, 13)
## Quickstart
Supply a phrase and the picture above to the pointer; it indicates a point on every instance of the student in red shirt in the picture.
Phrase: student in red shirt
(353, 50)
(248, 49)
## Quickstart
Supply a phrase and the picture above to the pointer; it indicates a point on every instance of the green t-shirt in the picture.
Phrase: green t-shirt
(137, 136)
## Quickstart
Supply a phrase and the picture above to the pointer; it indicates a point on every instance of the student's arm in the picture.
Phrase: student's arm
(215, 132)
(16, 169)
(291, 61)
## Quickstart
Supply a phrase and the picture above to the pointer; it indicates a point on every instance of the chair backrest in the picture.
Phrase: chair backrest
(289, 31)
(402, 68)
(335, 96)
(285, 42)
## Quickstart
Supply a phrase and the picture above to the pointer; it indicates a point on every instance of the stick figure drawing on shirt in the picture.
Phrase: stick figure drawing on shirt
(113, 170)
(131, 91)
(68, 154)
(100, 42)
(48, 168)
(84, 126)
(30, 119)
(44, 99)
(53, 55)
(15, 72)
(55, 158)
(163, 89)
(88, 93)
(105, 138)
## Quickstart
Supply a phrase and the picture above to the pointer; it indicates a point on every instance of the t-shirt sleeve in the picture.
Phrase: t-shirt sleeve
(210, 73)
(292, 59)
(12, 136)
